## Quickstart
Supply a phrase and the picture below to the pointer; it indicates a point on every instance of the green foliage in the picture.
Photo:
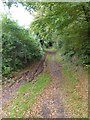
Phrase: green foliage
(67, 24)
(19, 46)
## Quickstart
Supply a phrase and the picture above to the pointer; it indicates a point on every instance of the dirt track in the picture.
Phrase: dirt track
(50, 103)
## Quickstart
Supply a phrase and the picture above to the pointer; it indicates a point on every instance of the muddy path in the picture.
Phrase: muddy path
(50, 103)
(8, 91)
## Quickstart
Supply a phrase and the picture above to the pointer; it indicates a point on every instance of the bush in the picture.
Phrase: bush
(19, 47)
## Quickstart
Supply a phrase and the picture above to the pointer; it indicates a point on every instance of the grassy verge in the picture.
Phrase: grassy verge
(75, 103)
(76, 98)
(26, 96)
